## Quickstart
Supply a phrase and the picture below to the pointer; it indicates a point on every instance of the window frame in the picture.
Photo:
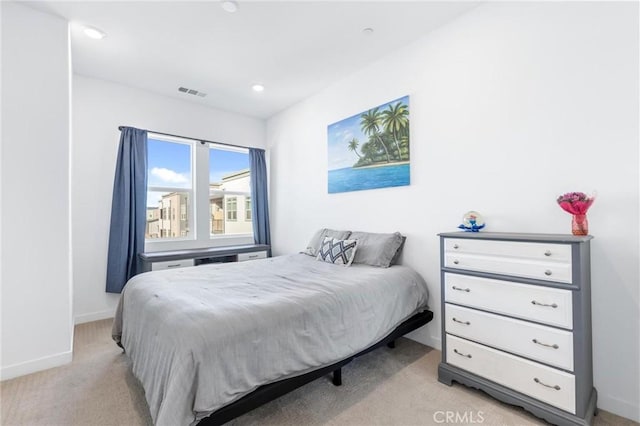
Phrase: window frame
(191, 191)
(199, 210)
(231, 193)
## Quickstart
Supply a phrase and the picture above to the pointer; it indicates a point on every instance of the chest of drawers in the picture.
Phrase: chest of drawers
(516, 321)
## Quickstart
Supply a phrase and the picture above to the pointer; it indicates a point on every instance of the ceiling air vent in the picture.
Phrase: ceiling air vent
(191, 92)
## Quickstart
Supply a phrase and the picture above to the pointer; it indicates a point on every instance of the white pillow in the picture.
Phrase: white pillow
(338, 252)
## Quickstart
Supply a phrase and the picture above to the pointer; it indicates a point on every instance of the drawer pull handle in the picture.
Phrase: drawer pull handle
(554, 346)
(464, 355)
(547, 253)
(535, 379)
(455, 262)
(461, 289)
(547, 272)
(461, 322)
(175, 265)
(455, 246)
(552, 305)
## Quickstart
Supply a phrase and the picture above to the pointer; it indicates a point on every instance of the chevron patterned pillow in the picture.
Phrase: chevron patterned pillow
(339, 252)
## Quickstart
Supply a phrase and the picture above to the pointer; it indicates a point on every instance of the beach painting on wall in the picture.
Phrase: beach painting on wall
(370, 150)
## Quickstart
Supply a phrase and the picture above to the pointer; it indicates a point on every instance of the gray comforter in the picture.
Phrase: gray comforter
(200, 338)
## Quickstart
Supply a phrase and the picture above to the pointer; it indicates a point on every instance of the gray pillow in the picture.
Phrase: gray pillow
(318, 238)
(396, 257)
(376, 249)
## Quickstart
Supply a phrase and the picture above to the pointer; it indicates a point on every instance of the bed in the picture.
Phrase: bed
(210, 342)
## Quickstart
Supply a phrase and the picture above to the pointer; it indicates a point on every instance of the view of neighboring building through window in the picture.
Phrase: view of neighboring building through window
(169, 189)
(172, 192)
(229, 188)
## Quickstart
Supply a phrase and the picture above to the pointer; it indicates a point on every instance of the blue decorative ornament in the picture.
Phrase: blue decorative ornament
(472, 222)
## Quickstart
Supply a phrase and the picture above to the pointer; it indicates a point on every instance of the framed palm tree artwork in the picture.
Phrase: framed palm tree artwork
(370, 150)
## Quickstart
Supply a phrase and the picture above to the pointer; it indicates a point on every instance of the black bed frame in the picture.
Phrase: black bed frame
(271, 391)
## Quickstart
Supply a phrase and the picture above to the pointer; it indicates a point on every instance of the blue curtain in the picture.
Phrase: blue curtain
(128, 209)
(259, 199)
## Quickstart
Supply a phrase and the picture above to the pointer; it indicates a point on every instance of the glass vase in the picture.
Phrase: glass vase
(579, 224)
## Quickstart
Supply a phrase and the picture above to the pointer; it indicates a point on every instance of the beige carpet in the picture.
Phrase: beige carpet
(385, 387)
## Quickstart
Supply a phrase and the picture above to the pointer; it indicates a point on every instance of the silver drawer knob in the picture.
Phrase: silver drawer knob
(551, 305)
(461, 354)
(461, 322)
(455, 262)
(547, 272)
(547, 253)
(455, 246)
(556, 387)
(537, 342)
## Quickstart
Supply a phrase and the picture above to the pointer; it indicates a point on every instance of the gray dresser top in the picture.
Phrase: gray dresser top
(512, 236)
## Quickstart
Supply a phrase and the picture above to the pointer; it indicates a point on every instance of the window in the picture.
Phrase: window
(232, 208)
(178, 189)
(229, 186)
(169, 187)
(247, 208)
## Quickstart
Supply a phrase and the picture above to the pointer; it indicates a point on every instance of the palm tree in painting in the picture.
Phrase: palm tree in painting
(353, 146)
(395, 120)
(369, 152)
(370, 124)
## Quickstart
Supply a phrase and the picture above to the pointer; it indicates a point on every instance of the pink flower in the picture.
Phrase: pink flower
(576, 203)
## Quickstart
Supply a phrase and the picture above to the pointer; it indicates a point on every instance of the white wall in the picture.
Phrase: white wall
(99, 107)
(512, 104)
(37, 326)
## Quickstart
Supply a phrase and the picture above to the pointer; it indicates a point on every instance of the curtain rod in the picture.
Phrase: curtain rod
(202, 141)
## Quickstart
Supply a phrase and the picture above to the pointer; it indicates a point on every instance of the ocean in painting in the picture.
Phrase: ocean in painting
(358, 179)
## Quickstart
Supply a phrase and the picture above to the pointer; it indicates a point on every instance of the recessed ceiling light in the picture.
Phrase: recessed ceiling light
(367, 31)
(94, 33)
(230, 6)
(258, 88)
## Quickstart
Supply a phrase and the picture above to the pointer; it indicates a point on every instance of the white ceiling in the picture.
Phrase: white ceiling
(294, 48)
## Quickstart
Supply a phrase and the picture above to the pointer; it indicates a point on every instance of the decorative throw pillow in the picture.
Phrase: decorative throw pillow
(339, 252)
(318, 238)
(376, 249)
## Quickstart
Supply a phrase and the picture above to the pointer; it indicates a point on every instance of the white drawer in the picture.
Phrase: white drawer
(252, 256)
(549, 345)
(533, 251)
(541, 304)
(172, 264)
(541, 270)
(544, 383)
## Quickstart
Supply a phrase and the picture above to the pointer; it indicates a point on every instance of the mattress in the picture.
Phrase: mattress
(200, 338)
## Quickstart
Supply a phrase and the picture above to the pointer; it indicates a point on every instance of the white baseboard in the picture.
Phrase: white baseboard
(93, 316)
(35, 365)
(620, 407)
(425, 339)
